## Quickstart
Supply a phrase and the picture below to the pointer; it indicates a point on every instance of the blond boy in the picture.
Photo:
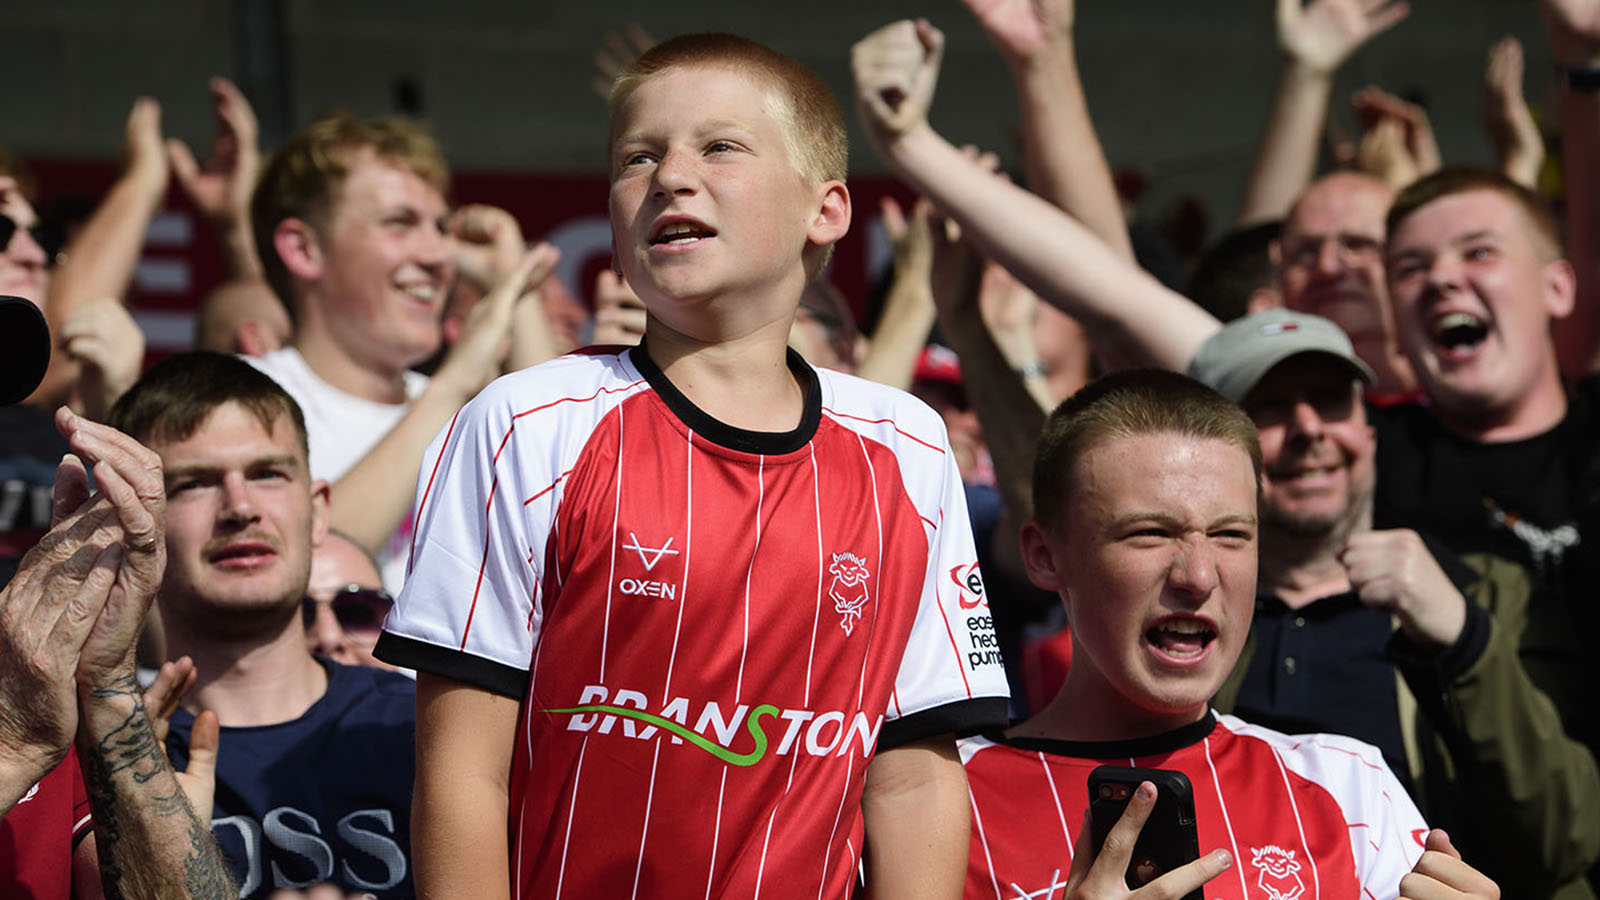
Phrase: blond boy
(693, 618)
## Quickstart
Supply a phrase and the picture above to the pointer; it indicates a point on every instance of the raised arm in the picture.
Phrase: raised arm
(1506, 118)
(1397, 142)
(1065, 163)
(1315, 39)
(487, 244)
(1574, 29)
(1132, 318)
(1010, 413)
(220, 187)
(908, 314)
(98, 264)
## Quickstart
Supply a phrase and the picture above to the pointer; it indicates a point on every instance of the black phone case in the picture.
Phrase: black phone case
(1168, 839)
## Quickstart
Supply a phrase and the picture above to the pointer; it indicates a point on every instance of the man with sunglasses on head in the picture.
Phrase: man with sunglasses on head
(316, 758)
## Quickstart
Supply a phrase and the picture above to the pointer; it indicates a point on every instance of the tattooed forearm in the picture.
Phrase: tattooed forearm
(150, 843)
(132, 747)
(204, 873)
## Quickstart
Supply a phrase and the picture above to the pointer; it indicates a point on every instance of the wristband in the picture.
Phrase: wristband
(1033, 369)
(1582, 78)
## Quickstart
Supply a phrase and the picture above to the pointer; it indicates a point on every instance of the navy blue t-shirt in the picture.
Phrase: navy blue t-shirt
(326, 797)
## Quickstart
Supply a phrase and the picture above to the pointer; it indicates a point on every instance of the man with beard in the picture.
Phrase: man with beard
(316, 758)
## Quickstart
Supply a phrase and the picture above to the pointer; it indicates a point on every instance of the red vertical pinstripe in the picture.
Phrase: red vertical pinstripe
(411, 555)
(494, 485)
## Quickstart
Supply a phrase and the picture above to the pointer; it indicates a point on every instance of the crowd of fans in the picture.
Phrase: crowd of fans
(387, 580)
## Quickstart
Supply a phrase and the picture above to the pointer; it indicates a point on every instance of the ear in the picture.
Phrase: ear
(1261, 299)
(833, 214)
(1560, 289)
(299, 247)
(320, 494)
(1033, 542)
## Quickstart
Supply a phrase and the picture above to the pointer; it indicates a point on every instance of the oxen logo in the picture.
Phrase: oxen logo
(649, 555)
(848, 588)
(1279, 868)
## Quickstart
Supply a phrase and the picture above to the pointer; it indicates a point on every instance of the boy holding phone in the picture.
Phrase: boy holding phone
(1145, 488)
(694, 618)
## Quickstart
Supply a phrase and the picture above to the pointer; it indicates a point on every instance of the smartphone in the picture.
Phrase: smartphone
(1168, 839)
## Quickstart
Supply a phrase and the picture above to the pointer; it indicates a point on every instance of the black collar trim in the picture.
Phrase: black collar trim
(769, 443)
(1155, 745)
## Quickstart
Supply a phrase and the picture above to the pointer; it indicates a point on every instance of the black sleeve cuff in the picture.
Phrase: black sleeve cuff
(1460, 574)
(963, 717)
(492, 676)
(1453, 661)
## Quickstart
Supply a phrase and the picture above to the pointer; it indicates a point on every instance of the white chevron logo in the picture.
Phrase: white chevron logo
(649, 555)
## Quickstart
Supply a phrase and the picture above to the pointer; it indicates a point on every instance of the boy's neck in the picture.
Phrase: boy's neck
(1087, 710)
(743, 381)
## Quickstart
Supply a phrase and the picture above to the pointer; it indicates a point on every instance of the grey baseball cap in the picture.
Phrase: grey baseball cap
(1234, 360)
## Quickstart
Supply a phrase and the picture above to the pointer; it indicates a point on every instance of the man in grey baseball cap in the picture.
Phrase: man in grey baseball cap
(1235, 359)
(1343, 608)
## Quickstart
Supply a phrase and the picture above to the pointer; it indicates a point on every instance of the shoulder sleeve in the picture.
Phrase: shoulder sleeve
(467, 611)
(951, 678)
(1393, 841)
(1386, 829)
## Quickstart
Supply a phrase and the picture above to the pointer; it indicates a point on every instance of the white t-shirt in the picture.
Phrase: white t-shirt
(341, 429)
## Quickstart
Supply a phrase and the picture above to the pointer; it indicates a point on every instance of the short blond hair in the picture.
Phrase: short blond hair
(813, 128)
(303, 178)
(1447, 182)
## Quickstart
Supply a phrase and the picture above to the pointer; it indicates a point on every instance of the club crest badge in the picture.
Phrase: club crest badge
(848, 588)
(1279, 872)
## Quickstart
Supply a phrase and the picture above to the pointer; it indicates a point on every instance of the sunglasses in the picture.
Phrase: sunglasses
(43, 235)
(357, 608)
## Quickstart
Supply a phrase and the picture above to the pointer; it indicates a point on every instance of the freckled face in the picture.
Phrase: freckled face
(706, 203)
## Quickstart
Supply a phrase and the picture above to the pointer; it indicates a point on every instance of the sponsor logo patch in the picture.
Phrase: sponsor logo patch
(970, 581)
(715, 731)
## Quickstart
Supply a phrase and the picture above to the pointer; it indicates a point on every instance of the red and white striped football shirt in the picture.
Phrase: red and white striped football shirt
(711, 630)
(1306, 817)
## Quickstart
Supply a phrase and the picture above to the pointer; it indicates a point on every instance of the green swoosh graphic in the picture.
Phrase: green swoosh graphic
(693, 737)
